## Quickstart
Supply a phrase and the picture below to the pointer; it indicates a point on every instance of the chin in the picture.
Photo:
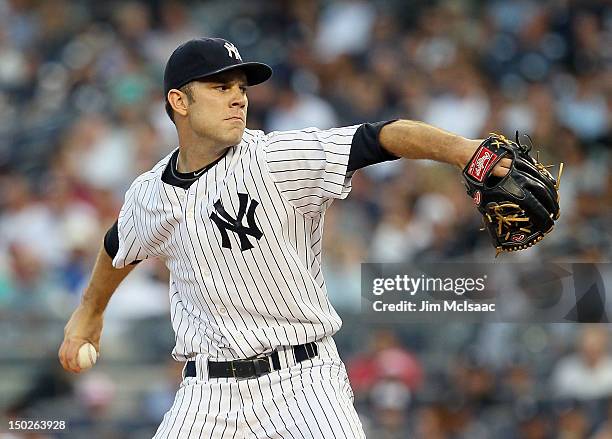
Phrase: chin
(236, 138)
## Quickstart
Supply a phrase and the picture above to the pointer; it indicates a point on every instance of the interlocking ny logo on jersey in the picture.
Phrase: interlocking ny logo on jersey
(225, 222)
(232, 51)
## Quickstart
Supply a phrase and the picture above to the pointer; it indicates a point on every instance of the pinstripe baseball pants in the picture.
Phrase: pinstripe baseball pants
(308, 400)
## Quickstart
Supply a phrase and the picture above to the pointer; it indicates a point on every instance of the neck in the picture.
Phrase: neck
(196, 152)
(193, 159)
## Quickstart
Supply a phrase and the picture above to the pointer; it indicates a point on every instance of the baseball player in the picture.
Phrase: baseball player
(237, 216)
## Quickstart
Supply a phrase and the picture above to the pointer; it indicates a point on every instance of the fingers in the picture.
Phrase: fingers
(61, 355)
(83, 327)
(502, 167)
(68, 355)
(67, 361)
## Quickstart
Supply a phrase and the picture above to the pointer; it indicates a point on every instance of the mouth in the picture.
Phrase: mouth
(235, 118)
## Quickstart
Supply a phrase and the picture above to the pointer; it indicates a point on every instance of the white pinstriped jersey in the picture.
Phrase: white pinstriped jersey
(243, 242)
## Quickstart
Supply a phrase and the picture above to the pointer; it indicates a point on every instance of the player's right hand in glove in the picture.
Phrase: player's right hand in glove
(520, 208)
(85, 326)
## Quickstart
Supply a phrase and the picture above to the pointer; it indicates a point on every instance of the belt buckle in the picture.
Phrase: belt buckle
(253, 365)
(243, 369)
(233, 368)
(260, 367)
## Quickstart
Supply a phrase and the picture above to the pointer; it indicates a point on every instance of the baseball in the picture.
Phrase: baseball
(87, 356)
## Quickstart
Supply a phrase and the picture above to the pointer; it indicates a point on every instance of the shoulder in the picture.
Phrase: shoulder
(156, 171)
(311, 134)
(252, 137)
(152, 175)
(251, 142)
(291, 135)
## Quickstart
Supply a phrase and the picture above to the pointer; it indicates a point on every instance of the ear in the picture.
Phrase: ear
(178, 101)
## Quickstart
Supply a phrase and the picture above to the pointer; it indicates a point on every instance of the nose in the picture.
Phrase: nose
(239, 98)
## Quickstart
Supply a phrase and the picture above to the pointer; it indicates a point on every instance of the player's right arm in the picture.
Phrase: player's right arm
(116, 259)
(85, 324)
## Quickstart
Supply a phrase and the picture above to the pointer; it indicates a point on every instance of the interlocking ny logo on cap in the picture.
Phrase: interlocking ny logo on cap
(232, 51)
(225, 222)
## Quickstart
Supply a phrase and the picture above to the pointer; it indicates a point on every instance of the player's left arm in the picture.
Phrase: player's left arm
(418, 140)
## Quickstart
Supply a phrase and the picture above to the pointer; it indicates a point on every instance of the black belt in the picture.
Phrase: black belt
(253, 368)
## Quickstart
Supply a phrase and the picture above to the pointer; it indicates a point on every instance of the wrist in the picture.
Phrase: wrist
(90, 308)
(465, 151)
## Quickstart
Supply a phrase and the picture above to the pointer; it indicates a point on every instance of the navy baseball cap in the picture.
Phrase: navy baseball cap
(204, 57)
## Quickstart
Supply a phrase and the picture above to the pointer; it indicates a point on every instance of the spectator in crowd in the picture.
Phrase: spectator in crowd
(587, 373)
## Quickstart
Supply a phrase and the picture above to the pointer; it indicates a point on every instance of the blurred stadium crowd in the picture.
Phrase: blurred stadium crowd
(82, 114)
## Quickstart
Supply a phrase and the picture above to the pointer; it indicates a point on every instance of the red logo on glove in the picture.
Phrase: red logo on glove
(481, 163)
(518, 238)
(477, 197)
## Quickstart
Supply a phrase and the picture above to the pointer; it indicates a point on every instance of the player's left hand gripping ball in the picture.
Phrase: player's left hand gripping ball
(520, 208)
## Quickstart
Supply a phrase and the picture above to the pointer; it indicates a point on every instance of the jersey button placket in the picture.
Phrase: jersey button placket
(190, 221)
(193, 207)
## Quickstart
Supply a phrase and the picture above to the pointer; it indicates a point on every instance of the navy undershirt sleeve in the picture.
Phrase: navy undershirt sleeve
(111, 242)
(366, 148)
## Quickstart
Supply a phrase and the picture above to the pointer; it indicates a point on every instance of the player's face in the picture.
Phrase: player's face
(218, 110)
